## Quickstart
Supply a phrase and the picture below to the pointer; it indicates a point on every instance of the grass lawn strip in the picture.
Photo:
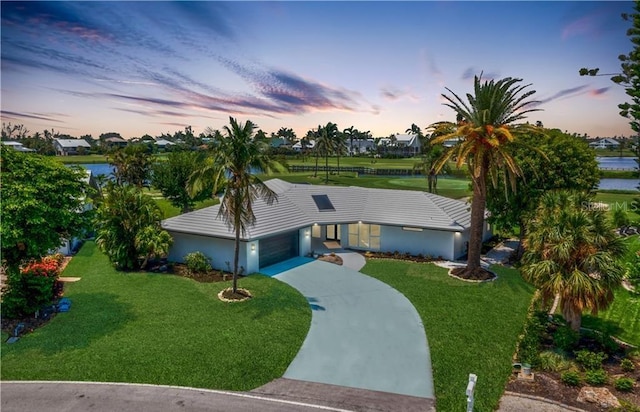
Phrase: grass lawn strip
(471, 328)
(162, 329)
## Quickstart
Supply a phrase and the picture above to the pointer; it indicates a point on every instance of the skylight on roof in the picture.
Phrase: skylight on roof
(323, 203)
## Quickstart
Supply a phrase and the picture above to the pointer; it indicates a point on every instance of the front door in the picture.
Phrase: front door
(333, 232)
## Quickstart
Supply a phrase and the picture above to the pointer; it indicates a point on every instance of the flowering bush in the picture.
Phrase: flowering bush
(32, 288)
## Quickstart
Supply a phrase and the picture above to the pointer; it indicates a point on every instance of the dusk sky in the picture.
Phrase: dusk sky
(153, 67)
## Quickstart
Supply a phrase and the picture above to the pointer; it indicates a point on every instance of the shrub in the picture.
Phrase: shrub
(590, 360)
(552, 361)
(565, 338)
(624, 384)
(627, 365)
(30, 289)
(529, 345)
(197, 262)
(570, 378)
(597, 377)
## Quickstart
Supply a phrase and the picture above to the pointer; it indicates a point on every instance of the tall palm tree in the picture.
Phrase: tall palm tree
(572, 251)
(236, 161)
(486, 126)
(325, 144)
(350, 133)
(339, 146)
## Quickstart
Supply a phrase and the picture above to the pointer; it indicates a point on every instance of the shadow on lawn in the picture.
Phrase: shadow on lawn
(91, 317)
(270, 301)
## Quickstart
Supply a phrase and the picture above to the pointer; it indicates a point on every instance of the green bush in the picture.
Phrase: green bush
(570, 378)
(565, 338)
(529, 345)
(197, 262)
(626, 406)
(552, 361)
(624, 384)
(590, 360)
(597, 377)
(627, 365)
(30, 289)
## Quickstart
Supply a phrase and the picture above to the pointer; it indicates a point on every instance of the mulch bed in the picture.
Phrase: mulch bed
(476, 274)
(204, 277)
(332, 258)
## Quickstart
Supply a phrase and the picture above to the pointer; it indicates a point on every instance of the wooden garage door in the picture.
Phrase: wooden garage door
(277, 248)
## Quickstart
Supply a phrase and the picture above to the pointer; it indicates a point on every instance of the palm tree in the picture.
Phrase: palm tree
(339, 147)
(351, 133)
(572, 251)
(486, 126)
(236, 161)
(325, 144)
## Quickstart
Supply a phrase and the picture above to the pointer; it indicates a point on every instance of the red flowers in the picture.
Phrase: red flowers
(47, 267)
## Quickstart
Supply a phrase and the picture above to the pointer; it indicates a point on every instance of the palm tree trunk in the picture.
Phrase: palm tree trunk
(338, 164)
(326, 167)
(478, 204)
(572, 315)
(236, 256)
(315, 173)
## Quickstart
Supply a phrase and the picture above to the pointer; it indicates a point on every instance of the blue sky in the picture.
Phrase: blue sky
(154, 67)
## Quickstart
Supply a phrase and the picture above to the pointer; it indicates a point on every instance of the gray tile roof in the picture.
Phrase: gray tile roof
(296, 209)
(71, 143)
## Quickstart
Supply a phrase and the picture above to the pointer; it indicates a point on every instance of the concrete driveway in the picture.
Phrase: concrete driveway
(364, 334)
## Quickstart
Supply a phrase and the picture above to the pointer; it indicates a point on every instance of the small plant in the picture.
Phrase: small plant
(552, 361)
(565, 338)
(626, 406)
(627, 365)
(590, 360)
(197, 262)
(597, 377)
(624, 384)
(570, 378)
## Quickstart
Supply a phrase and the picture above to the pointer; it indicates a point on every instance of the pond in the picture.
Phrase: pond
(619, 184)
(617, 163)
(98, 168)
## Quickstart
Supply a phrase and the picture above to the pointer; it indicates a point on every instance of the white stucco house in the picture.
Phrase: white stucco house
(17, 146)
(65, 147)
(305, 216)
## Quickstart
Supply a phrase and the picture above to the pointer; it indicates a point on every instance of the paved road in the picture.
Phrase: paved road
(83, 397)
(364, 334)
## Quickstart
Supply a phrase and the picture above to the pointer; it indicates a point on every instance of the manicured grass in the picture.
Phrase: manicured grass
(403, 163)
(168, 210)
(620, 199)
(619, 174)
(449, 187)
(471, 328)
(622, 318)
(162, 329)
(83, 159)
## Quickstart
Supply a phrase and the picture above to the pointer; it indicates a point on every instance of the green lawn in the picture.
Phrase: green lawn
(449, 187)
(168, 210)
(622, 318)
(620, 199)
(471, 328)
(162, 329)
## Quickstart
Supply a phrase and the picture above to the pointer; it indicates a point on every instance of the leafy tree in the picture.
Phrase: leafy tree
(234, 167)
(572, 251)
(132, 164)
(561, 161)
(487, 129)
(42, 202)
(120, 220)
(14, 131)
(152, 242)
(171, 177)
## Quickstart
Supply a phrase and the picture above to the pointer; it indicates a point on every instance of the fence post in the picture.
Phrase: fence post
(471, 387)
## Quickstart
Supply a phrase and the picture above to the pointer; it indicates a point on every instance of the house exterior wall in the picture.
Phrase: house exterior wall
(218, 250)
(305, 241)
(427, 242)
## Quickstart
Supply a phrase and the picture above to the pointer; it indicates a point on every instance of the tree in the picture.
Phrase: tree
(42, 203)
(487, 128)
(131, 164)
(234, 167)
(339, 147)
(351, 133)
(171, 177)
(629, 77)
(288, 134)
(14, 132)
(561, 161)
(325, 145)
(572, 251)
(121, 218)
(152, 242)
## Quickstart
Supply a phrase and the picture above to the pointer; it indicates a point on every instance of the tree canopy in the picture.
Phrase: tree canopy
(42, 202)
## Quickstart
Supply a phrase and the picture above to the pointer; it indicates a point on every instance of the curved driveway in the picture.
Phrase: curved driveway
(364, 334)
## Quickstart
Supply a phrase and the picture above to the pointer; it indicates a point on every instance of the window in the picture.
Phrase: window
(364, 235)
(316, 231)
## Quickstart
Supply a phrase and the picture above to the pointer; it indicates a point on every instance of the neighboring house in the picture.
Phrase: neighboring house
(111, 142)
(605, 143)
(17, 146)
(308, 146)
(163, 143)
(401, 144)
(305, 216)
(66, 147)
(361, 146)
(277, 142)
(452, 142)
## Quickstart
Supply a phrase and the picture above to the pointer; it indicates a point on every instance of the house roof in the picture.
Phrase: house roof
(163, 142)
(407, 139)
(296, 209)
(17, 146)
(71, 143)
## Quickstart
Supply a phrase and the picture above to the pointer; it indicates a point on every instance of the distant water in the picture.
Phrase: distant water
(617, 163)
(98, 168)
(619, 184)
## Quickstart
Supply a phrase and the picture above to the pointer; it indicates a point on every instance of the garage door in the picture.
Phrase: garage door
(277, 248)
